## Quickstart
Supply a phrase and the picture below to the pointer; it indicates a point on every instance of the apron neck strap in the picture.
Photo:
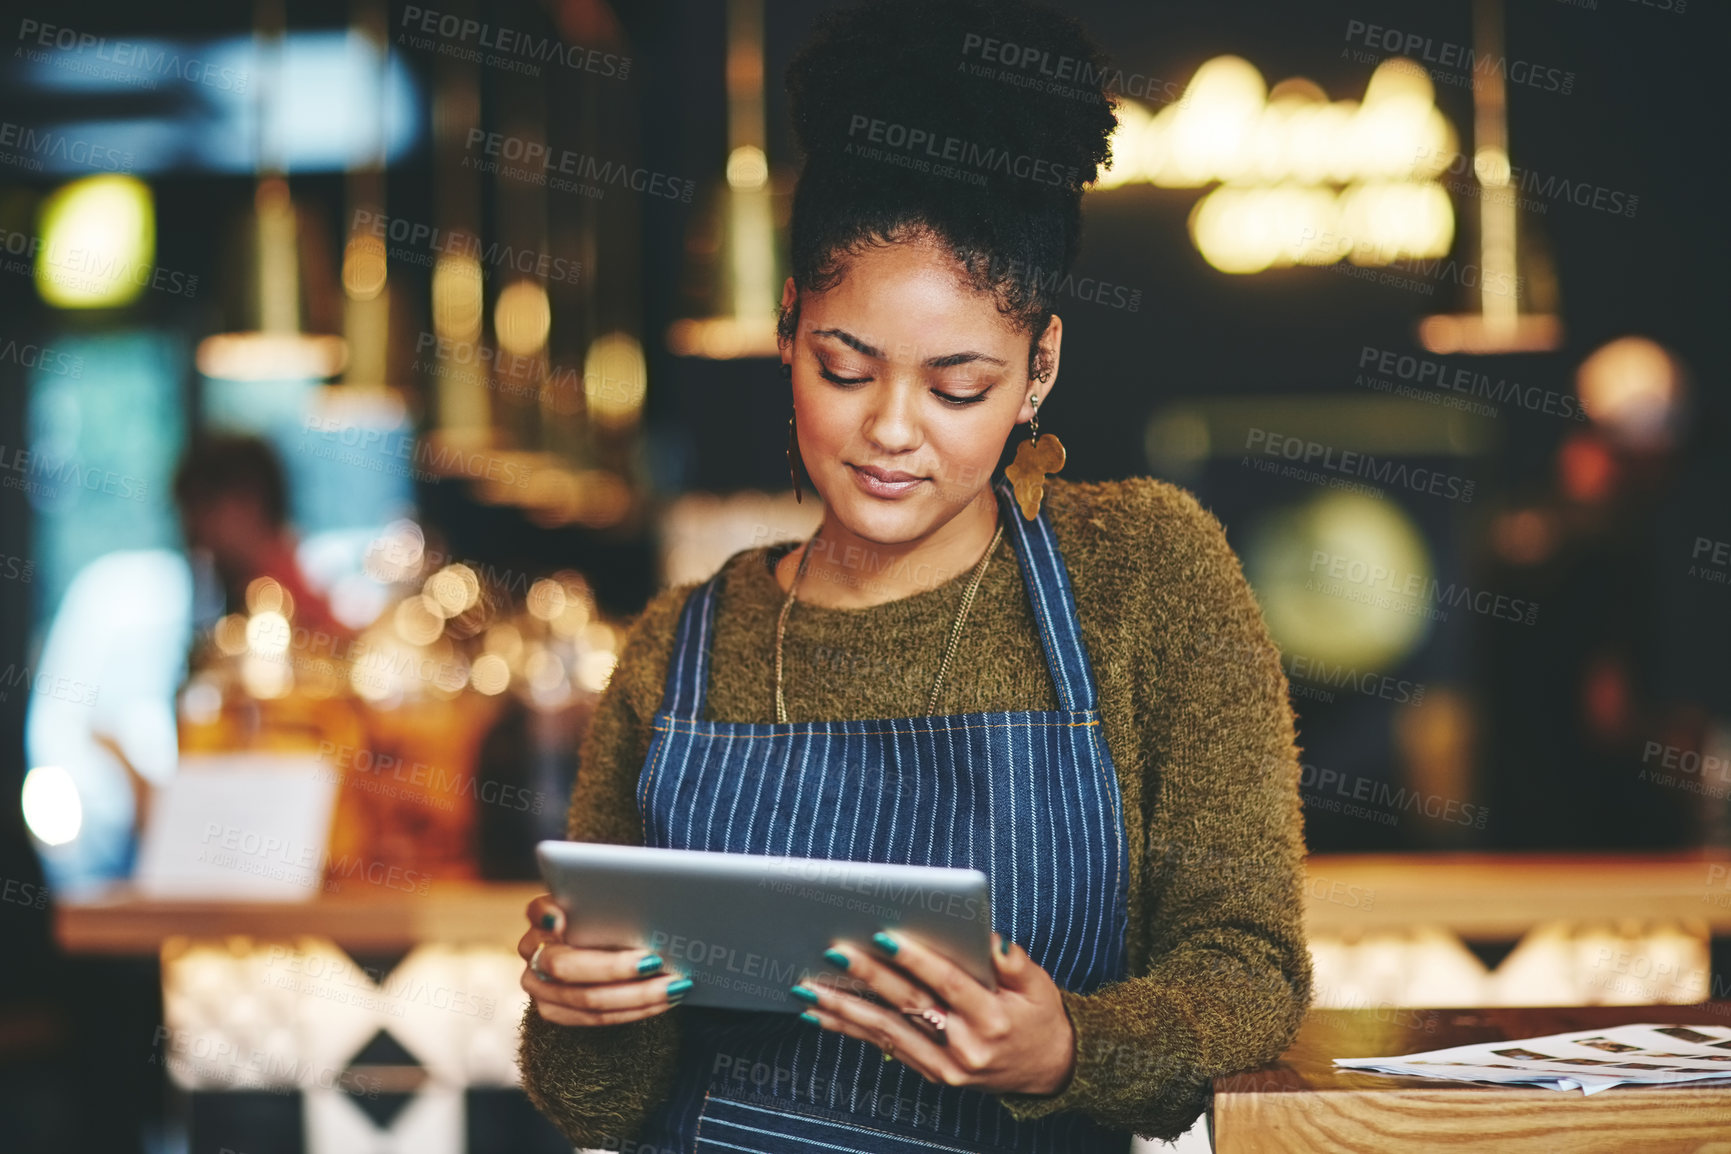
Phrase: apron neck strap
(1054, 603)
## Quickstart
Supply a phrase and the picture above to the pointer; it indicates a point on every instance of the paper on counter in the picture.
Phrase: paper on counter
(239, 826)
(1585, 1060)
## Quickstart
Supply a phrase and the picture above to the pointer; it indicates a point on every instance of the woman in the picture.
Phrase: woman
(1067, 685)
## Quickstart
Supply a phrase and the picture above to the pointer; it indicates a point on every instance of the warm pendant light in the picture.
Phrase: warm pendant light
(746, 285)
(1498, 326)
(270, 344)
(366, 286)
(274, 347)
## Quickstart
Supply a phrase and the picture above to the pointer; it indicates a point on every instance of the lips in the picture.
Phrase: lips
(889, 476)
(886, 483)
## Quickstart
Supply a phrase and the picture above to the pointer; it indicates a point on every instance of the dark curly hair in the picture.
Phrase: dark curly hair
(975, 123)
(219, 464)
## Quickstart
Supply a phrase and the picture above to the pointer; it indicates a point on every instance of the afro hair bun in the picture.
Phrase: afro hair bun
(1001, 95)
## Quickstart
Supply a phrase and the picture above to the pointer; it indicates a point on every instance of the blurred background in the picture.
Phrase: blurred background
(365, 367)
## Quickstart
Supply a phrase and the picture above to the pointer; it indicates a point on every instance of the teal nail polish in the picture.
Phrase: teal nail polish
(1004, 944)
(885, 943)
(676, 990)
(549, 920)
(835, 958)
(810, 1017)
(650, 964)
(806, 995)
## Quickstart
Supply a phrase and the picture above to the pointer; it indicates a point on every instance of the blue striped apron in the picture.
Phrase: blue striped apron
(1028, 797)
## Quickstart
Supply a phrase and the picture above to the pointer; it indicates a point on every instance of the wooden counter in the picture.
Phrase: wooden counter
(1474, 895)
(1304, 1105)
(1504, 895)
(122, 922)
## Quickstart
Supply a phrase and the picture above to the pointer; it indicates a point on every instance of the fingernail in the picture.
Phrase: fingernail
(804, 994)
(885, 943)
(1004, 944)
(835, 958)
(810, 1017)
(649, 964)
(549, 920)
(676, 990)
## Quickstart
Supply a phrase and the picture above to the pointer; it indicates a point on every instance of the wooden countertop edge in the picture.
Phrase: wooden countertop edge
(120, 921)
(1498, 895)
(1468, 1116)
(1471, 894)
(1415, 1090)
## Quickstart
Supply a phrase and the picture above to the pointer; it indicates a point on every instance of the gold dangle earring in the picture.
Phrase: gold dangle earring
(1036, 458)
(792, 441)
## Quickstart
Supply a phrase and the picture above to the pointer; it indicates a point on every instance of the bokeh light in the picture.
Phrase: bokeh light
(1302, 180)
(522, 318)
(457, 288)
(615, 379)
(1336, 578)
(1632, 388)
(98, 243)
(51, 806)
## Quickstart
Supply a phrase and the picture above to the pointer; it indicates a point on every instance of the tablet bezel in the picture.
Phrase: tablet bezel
(641, 895)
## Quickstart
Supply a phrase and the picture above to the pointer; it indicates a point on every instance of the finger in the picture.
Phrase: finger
(544, 914)
(565, 1016)
(909, 1058)
(958, 988)
(606, 996)
(892, 983)
(885, 1028)
(527, 943)
(1010, 962)
(587, 966)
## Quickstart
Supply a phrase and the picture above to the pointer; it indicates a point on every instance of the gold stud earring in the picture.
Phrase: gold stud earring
(1036, 458)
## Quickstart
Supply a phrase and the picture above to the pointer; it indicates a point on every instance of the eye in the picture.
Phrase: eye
(958, 401)
(824, 372)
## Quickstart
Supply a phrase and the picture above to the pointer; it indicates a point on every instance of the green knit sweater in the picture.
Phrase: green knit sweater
(1196, 718)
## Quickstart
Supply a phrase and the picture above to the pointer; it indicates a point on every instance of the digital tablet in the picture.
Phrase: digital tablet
(746, 927)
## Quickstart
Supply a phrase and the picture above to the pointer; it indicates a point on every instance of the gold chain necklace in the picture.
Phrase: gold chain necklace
(949, 649)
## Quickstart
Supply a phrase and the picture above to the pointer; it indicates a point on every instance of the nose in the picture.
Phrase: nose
(891, 425)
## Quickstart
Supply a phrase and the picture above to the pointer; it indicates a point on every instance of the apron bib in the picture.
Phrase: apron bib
(1028, 797)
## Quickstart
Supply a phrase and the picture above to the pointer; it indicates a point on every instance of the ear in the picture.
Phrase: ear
(1047, 350)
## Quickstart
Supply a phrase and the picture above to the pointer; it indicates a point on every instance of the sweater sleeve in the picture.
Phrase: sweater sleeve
(598, 1084)
(1228, 978)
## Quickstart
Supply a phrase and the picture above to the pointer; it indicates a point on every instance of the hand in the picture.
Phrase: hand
(591, 987)
(1017, 1039)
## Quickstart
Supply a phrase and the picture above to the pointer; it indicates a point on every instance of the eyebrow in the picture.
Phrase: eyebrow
(949, 360)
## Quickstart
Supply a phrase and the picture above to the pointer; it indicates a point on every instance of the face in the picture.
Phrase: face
(230, 526)
(906, 384)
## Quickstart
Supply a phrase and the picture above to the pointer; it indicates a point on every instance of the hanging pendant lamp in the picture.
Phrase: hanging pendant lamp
(269, 342)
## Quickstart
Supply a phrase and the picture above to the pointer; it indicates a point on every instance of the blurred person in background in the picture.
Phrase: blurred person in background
(233, 504)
